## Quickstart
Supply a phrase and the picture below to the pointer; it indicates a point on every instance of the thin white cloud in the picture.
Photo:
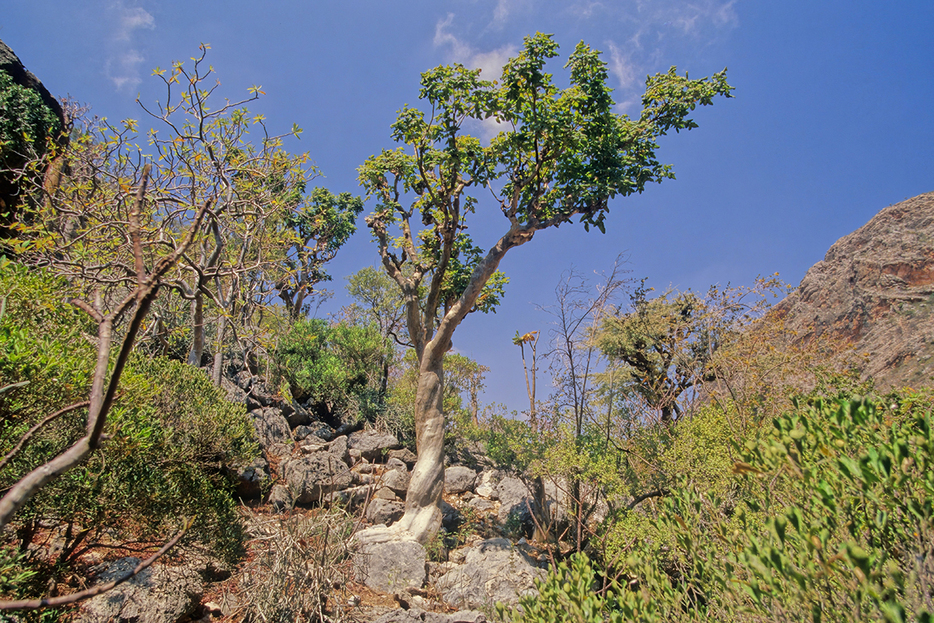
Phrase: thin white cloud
(123, 70)
(124, 63)
(504, 9)
(490, 63)
(129, 19)
(621, 67)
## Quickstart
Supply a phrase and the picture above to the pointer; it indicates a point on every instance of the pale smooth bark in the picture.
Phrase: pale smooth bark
(197, 328)
(422, 518)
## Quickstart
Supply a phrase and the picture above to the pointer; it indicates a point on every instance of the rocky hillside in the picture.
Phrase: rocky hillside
(874, 290)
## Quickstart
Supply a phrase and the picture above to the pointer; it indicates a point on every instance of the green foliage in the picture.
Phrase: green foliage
(170, 436)
(828, 518)
(335, 367)
(26, 124)
(570, 594)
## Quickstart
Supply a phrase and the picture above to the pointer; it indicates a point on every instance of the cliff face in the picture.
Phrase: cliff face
(875, 291)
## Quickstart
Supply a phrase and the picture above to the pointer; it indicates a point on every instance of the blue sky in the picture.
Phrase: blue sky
(832, 119)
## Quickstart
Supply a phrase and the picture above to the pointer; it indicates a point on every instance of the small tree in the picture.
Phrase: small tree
(561, 154)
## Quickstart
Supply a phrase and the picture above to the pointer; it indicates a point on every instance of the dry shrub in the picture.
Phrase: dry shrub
(296, 561)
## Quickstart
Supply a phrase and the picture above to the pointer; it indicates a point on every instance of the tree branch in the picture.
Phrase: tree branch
(52, 602)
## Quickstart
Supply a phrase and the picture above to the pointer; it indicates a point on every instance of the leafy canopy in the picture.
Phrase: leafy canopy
(560, 154)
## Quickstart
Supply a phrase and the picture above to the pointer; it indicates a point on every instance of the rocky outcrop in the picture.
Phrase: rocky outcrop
(458, 479)
(874, 291)
(311, 477)
(158, 594)
(493, 571)
(373, 445)
(11, 64)
(385, 562)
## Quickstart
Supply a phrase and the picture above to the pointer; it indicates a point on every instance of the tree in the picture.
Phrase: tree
(667, 346)
(133, 303)
(562, 154)
(316, 231)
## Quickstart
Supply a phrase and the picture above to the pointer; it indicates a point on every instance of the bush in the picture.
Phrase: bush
(335, 368)
(170, 434)
(830, 520)
(570, 594)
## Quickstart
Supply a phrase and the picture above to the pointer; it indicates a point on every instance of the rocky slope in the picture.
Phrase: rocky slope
(874, 290)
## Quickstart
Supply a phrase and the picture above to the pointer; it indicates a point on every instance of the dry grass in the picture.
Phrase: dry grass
(296, 563)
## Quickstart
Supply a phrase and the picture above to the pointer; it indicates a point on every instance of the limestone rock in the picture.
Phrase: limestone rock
(338, 448)
(159, 594)
(396, 480)
(403, 454)
(493, 571)
(260, 395)
(299, 416)
(459, 479)
(271, 427)
(386, 512)
(250, 479)
(396, 463)
(874, 290)
(515, 501)
(280, 498)
(486, 483)
(481, 504)
(385, 562)
(373, 445)
(310, 478)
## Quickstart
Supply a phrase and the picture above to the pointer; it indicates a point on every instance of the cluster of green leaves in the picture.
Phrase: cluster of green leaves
(171, 436)
(333, 367)
(26, 124)
(572, 594)
(826, 515)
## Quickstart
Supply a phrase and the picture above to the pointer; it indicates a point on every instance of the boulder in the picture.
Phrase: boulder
(350, 497)
(271, 427)
(373, 445)
(395, 463)
(486, 483)
(386, 512)
(403, 454)
(386, 562)
(385, 493)
(298, 415)
(481, 504)
(493, 571)
(311, 477)
(459, 479)
(515, 501)
(244, 380)
(338, 448)
(260, 395)
(250, 479)
(396, 480)
(158, 594)
(280, 498)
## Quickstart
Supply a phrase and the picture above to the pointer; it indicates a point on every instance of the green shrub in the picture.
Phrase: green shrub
(570, 594)
(169, 436)
(832, 521)
(335, 367)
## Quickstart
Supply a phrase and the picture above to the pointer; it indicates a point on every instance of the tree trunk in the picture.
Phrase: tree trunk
(197, 326)
(219, 352)
(422, 516)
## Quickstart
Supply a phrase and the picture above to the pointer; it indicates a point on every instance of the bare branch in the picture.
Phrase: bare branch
(52, 602)
(32, 431)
